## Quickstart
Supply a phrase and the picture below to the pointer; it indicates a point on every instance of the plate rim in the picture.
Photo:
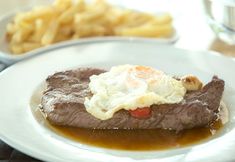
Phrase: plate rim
(30, 152)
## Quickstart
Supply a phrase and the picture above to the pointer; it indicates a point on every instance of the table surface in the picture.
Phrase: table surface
(189, 21)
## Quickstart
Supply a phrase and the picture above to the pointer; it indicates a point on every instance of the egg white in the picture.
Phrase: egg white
(129, 87)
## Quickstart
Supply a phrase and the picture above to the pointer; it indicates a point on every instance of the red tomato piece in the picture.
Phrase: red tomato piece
(141, 112)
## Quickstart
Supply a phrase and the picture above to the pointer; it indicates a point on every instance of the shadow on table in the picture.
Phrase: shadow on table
(222, 47)
(8, 154)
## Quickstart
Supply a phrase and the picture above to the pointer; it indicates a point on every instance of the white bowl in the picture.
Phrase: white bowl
(8, 58)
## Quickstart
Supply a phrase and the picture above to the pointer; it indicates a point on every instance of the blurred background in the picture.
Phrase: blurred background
(190, 19)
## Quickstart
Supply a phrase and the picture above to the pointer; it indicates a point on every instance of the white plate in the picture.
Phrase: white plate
(8, 58)
(19, 128)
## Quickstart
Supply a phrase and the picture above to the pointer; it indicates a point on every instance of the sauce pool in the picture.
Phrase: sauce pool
(153, 139)
(136, 140)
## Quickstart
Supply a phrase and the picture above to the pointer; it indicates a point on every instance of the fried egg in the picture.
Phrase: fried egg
(130, 87)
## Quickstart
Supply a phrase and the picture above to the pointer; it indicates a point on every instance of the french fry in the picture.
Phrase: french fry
(66, 32)
(90, 30)
(75, 19)
(50, 33)
(61, 37)
(38, 12)
(162, 19)
(29, 46)
(11, 29)
(16, 48)
(40, 28)
(21, 35)
(68, 15)
(146, 31)
(62, 5)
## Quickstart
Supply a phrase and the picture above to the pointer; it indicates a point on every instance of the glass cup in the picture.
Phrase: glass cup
(221, 18)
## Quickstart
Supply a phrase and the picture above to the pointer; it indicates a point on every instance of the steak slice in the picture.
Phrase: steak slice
(63, 100)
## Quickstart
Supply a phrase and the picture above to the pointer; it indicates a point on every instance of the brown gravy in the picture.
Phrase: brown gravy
(156, 139)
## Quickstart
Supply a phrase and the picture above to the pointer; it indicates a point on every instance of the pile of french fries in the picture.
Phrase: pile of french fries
(69, 19)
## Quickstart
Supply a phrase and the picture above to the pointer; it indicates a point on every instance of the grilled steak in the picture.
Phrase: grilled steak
(63, 100)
